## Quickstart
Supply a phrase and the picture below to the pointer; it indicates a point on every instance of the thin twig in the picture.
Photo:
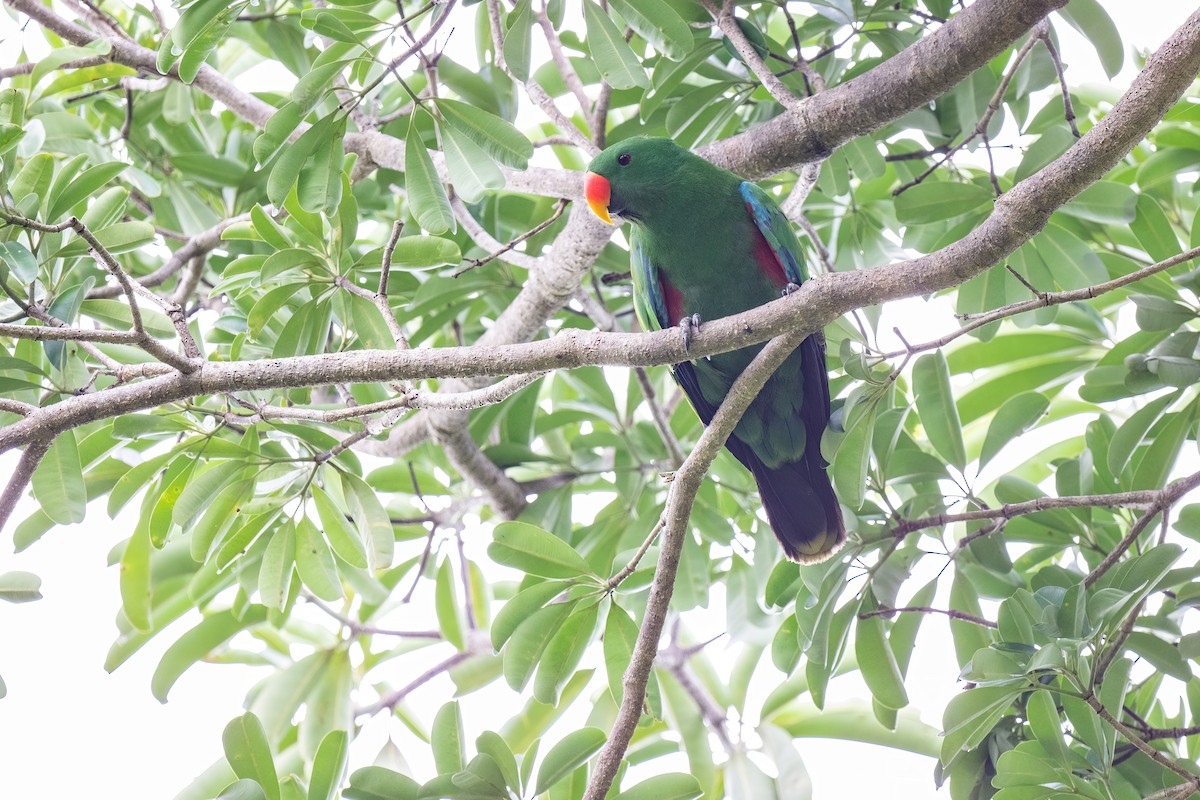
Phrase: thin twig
(472, 263)
(951, 613)
(980, 127)
(1068, 109)
(357, 628)
(729, 26)
(628, 569)
(389, 701)
(1046, 299)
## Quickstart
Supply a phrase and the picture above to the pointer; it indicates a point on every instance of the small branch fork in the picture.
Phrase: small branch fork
(727, 22)
(139, 336)
(380, 297)
(981, 127)
(1192, 781)
(1041, 33)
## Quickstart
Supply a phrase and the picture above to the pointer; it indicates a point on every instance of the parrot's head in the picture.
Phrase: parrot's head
(634, 177)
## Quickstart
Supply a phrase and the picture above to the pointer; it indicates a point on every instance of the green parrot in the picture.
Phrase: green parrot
(706, 244)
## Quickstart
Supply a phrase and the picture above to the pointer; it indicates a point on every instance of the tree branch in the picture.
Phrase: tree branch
(21, 477)
(679, 506)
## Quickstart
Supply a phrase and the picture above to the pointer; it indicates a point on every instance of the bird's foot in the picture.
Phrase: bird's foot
(689, 325)
(791, 287)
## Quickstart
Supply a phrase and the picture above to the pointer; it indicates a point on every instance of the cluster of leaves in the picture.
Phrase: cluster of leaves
(244, 514)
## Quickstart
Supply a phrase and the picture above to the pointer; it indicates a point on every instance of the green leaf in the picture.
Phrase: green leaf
(472, 171)
(58, 481)
(853, 455)
(535, 551)
(329, 764)
(1089, 18)
(82, 187)
(495, 136)
(1133, 431)
(1153, 230)
(319, 185)
(1046, 723)
(615, 60)
(1156, 313)
(59, 56)
(244, 789)
(20, 587)
(529, 641)
(425, 252)
(135, 576)
(518, 609)
(211, 633)
(670, 786)
(16, 258)
(35, 178)
(120, 237)
(517, 40)
(116, 314)
(1106, 202)
(275, 572)
(314, 562)
(492, 745)
(446, 737)
(380, 783)
(426, 195)
(877, 663)
(571, 752)
(342, 535)
(446, 605)
(1018, 414)
(563, 653)
(840, 11)
(309, 90)
(659, 24)
(971, 715)
(249, 753)
(201, 488)
(286, 168)
(932, 201)
(937, 409)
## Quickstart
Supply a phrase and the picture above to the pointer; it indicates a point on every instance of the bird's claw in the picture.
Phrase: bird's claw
(689, 325)
(791, 287)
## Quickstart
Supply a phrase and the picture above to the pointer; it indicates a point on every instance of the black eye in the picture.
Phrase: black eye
(624, 159)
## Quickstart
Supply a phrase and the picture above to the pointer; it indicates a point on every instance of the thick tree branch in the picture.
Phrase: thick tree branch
(22, 475)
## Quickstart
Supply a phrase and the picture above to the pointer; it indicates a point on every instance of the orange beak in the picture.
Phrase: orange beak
(597, 190)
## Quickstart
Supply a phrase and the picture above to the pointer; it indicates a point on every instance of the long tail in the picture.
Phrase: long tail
(802, 508)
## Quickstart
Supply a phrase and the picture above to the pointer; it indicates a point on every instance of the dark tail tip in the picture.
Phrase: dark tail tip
(803, 510)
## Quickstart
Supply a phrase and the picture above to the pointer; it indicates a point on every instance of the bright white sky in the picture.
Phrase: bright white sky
(68, 729)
